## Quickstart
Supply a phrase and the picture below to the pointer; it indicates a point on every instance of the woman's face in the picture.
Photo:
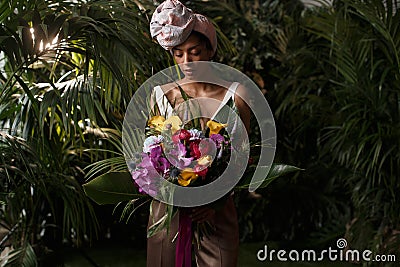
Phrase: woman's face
(192, 50)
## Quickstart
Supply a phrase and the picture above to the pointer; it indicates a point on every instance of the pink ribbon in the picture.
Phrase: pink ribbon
(183, 252)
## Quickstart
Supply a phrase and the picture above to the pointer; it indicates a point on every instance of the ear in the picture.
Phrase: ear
(210, 54)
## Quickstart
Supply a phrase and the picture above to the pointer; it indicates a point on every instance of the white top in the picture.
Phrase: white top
(165, 106)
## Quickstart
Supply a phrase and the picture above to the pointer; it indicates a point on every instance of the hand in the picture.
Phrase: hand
(202, 214)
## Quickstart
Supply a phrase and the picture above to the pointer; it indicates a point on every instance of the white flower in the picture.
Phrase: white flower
(151, 142)
(196, 134)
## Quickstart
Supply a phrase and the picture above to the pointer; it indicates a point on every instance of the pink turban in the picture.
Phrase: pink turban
(172, 24)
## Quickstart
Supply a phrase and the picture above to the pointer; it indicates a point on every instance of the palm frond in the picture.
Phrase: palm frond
(23, 256)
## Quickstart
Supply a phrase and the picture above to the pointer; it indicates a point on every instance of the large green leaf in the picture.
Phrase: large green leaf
(114, 187)
(276, 171)
(111, 188)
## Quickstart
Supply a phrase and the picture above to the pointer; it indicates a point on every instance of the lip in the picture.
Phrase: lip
(188, 71)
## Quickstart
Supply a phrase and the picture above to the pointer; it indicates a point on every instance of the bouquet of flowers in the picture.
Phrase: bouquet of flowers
(181, 156)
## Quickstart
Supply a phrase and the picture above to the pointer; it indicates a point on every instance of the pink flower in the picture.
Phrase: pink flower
(143, 182)
(175, 138)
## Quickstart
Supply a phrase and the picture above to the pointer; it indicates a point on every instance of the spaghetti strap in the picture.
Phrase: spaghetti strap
(230, 94)
(162, 102)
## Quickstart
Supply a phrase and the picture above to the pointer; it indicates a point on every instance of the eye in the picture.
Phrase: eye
(196, 52)
(178, 55)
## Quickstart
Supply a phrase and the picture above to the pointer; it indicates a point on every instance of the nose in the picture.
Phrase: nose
(187, 58)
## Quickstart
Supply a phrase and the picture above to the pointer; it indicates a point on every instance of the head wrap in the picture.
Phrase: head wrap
(172, 23)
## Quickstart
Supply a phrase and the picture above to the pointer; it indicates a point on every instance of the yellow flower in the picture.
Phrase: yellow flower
(186, 176)
(160, 123)
(215, 127)
(157, 122)
(205, 160)
(175, 123)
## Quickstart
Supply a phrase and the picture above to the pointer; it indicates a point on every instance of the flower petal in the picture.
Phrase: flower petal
(175, 123)
(186, 176)
(215, 127)
(205, 160)
(157, 122)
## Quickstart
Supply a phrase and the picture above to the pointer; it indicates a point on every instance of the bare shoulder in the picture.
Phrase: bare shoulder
(241, 100)
(169, 87)
(241, 96)
(171, 91)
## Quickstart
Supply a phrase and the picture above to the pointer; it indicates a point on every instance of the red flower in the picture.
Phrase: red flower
(184, 134)
(206, 147)
(200, 170)
(195, 149)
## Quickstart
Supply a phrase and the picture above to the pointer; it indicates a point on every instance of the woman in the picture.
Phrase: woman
(191, 38)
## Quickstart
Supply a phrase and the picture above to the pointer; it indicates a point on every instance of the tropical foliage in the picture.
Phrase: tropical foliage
(331, 74)
(68, 70)
(352, 97)
(337, 105)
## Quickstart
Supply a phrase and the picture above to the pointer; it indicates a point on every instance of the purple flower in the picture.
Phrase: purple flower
(155, 152)
(160, 163)
(218, 139)
(146, 162)
(143, 181)
(144, 176)
(177, 156)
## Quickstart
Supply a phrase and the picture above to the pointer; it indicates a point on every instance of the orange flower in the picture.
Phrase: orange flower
(160, 123)
(157, 122)
(215, 127)
(186, 176)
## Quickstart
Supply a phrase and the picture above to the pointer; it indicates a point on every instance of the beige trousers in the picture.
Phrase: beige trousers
(220, 249)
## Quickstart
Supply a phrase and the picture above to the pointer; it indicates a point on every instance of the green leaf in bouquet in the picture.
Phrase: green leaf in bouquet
(157, 226)
(163, 223)
(111, 188)
(130, 208)
(183, 93)
(277, 170)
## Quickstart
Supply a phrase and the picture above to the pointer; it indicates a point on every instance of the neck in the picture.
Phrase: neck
(203, 87)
